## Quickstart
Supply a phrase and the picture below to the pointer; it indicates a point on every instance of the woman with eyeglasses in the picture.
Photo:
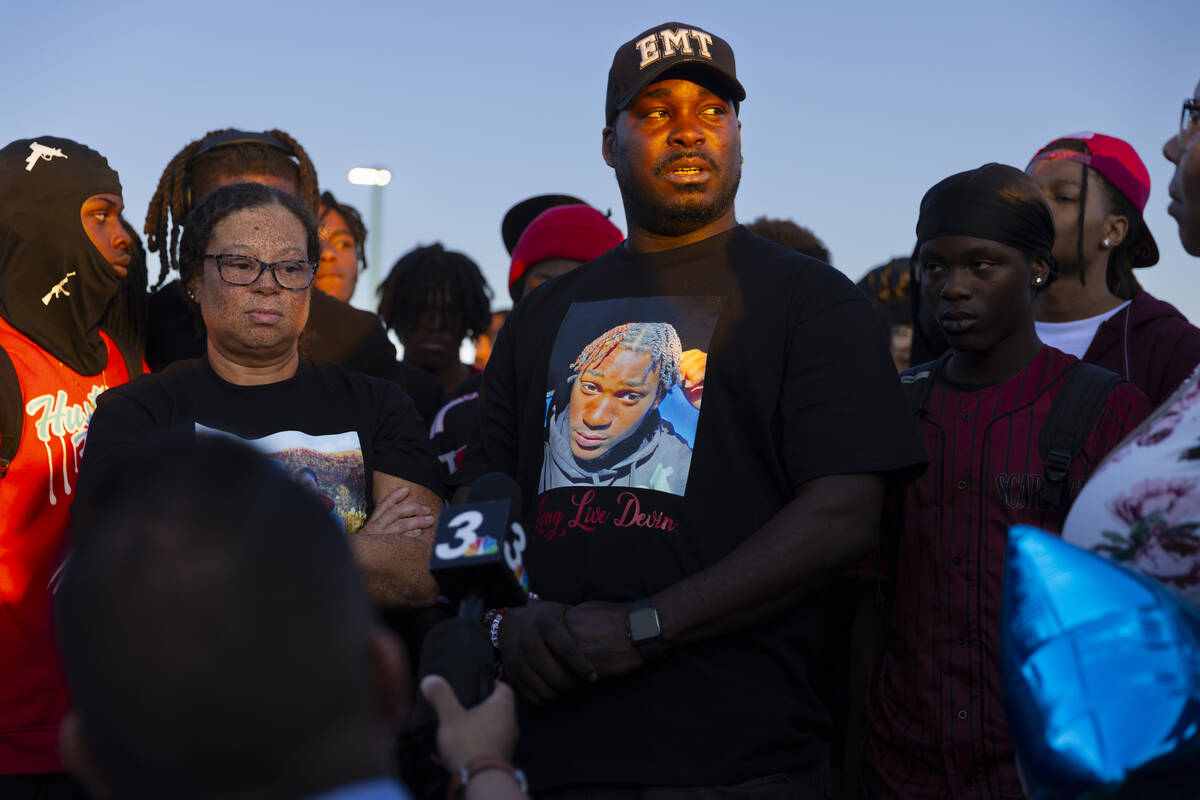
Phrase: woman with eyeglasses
(247, 261)
(1142, 505)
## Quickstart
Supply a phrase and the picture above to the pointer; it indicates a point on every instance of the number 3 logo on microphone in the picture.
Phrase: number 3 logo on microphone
(465, 526)
(515, 547)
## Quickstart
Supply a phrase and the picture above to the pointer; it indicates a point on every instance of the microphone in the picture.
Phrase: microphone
(477, 563)
(478, 547)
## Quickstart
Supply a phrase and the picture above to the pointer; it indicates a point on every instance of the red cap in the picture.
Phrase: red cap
(1117, 161)
(579, 233)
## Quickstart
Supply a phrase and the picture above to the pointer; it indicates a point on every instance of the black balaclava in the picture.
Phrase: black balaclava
(995, 202)
(43, 184)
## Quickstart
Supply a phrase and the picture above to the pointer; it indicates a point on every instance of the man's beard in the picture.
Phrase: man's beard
(681, 212)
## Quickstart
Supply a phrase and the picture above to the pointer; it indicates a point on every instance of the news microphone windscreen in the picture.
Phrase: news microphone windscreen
(496, 486)
(461, 652)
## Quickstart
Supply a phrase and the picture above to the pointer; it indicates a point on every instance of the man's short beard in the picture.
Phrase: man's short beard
(677, 218)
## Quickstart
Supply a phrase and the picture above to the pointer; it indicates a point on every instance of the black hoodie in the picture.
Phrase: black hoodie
(54, 283)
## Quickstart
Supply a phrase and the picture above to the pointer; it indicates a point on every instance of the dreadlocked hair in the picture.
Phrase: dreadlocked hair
(442, 283)
(1118, 274)
(659, 339)
(190, 175)
(353, 220)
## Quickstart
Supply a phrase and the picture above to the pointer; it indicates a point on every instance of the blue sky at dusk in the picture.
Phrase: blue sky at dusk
(853, 109)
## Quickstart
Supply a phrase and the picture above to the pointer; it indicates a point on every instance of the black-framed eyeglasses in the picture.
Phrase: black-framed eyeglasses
(1189, 119)
(244, 270)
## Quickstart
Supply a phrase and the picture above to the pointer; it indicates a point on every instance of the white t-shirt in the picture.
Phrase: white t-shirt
(1076, 336)
(1141, 507)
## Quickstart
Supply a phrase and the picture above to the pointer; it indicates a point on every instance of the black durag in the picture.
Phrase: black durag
(995, 202)
(43, 183)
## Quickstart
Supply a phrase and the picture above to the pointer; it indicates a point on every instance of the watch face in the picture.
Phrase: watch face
(643, 625)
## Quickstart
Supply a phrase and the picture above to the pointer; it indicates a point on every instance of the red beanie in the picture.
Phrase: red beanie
(579, 233)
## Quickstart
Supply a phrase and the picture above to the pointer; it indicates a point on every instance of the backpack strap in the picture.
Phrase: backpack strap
(1073, 413)
(11, 418)
(916, 383)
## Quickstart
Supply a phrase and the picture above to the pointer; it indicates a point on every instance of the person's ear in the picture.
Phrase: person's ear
(1039, 273)
(391, 676)
(190, 289)
(79, 759)
(607, 139)
(1116, 227)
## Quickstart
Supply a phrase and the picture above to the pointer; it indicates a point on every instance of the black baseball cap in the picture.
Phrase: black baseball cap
(644, 58)
(517, 218)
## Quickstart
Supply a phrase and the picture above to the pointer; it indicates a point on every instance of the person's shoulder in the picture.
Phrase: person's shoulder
(177, 375)
(1151, 316)
(374, 391)
(461, 407)
(772, 255)
(1062, 370)
(1145, 308)
(329, 373)
(810, 283)
(1126, 395)
(1048, 370)
(162, 395)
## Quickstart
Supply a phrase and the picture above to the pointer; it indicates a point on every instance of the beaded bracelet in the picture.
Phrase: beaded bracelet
(491, 620)
(494, 628)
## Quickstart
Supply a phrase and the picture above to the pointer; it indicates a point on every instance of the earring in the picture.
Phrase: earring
(1105, 242)
(1038, 280)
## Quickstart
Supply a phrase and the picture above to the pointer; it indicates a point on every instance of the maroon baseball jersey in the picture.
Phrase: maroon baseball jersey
(936, 722)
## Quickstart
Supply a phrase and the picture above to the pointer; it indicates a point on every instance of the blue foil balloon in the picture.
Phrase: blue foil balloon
(1101, 671)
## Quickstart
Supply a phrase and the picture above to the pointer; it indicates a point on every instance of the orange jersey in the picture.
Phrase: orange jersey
(35, 500)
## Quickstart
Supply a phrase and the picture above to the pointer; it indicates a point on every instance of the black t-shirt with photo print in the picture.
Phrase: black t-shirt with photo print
(655, 471)
(328, 427)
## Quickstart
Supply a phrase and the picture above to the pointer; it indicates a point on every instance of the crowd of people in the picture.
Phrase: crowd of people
(765, 509)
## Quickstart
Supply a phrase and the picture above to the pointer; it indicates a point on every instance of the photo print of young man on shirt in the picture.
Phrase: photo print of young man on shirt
(625, 389)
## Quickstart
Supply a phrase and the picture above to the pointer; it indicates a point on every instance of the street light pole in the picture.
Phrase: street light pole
(376, 178)
(376, 270)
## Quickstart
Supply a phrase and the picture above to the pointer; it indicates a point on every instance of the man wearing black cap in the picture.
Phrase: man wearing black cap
(671, 649)
(935, 720)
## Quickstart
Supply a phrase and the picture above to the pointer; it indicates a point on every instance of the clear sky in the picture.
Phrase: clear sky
(853, 109)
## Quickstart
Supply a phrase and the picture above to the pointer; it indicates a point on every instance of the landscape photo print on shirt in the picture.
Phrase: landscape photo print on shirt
(330, 467)
(624, 393)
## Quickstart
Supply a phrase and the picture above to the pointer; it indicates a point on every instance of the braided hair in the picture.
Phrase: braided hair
(1118, 274)
(659, 339)
(434, 279)
(195, 170)
(353, 220)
